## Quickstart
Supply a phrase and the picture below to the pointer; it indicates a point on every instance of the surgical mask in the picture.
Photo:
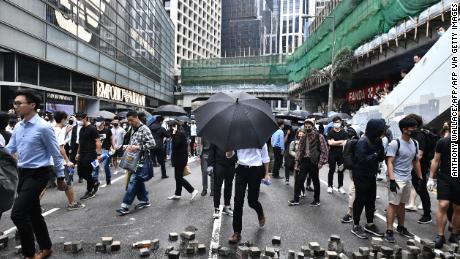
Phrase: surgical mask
(115, 125)
(80, 123)
(440, 33)
(413, 133)
(337, 125)
(98, 123)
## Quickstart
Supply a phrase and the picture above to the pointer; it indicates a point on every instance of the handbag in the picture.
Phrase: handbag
(130, 160)
(145, 168)
(187, 171)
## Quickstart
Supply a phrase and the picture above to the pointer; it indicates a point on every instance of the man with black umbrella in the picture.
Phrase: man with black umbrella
(252, 168)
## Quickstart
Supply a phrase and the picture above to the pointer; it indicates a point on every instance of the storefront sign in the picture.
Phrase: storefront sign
(367, 93)
(60, 102)
(115, 93)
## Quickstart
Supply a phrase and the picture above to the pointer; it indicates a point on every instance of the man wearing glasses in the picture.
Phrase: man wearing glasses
(33, 142)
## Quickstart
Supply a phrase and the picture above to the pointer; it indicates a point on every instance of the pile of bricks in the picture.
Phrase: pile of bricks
(73, 247)
(145, 247)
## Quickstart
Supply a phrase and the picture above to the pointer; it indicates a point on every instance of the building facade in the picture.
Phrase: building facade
(249, 27)
(293, 23)
(87, 55)
(197, 29)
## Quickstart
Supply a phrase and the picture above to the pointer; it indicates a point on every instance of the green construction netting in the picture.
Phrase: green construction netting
(357, 21)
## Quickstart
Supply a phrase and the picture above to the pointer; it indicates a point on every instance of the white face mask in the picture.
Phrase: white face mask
(80, 123)
(440, 33)
(337, 125)
(98, 124)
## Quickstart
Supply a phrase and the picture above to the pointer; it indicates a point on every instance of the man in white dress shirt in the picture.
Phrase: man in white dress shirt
(252, 168)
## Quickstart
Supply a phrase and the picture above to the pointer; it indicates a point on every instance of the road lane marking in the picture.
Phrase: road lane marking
(113, 181)
(44, 215)
(215, 235)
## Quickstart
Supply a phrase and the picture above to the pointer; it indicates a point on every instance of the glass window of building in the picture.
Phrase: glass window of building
(52, 76)
(6, 66)
(82, 84)
(27, 70)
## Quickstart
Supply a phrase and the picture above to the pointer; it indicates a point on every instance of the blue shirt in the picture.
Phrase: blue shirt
(278, 139)
(34, 142)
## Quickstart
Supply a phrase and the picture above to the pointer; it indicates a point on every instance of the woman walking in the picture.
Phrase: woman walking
(179, 159)
(293, 147)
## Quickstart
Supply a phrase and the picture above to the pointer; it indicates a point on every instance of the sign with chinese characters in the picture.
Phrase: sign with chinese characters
(115, 93)
(367, 93)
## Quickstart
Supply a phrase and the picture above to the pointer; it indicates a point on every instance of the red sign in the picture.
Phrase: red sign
(365, 94)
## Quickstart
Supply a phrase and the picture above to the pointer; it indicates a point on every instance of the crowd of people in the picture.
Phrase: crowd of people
(49, 149)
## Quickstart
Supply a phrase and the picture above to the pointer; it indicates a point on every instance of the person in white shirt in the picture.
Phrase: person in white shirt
(61, 131)
(193, 138)
(118, 135)
(252, 168)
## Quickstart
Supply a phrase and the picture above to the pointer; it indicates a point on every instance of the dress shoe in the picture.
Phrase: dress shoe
(235, 238)
(204, 192)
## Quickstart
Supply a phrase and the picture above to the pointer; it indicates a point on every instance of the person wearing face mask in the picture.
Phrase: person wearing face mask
(369, 152)
(401, 159)
(311, 155)
(336, 139)
(105, 135)
(118, 134)
(440, 30)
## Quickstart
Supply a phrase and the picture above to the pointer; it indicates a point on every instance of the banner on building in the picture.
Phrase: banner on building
(367, 93)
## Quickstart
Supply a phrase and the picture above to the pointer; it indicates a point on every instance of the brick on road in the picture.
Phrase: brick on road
(115, 246)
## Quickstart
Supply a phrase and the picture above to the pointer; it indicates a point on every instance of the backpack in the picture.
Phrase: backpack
(430, 144)
(349, 154)
(8, 180)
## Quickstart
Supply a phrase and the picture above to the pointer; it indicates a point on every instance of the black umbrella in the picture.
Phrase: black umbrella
(289, 116)
(316, 115)
(235, 121)
(342, 115)
(122, 114)
(183, 118)
(169, 110)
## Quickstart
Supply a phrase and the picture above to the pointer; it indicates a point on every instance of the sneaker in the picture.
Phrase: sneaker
(216, 213)
(142, 205)
(358, 231)
(293, 203)
(439, 241)
(286, 182)
(411, 208)
(164, 177)
(342, 190)
(315, 204)
(75, 206)
(309, 189)
(347, 218)
(204, 192)
(302, 195)
(425, 220)
(329, 189)
(373, 229)
(96, 187)
(193, 195)
(454, 238)
(403, 231)
(235, 238)
(389, 236)
(420, 207)
(122, 211)
(335, 189)
(174, 197)
(228, 211)
(88, 195)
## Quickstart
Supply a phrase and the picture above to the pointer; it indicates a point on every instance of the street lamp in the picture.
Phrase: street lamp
(331, 84)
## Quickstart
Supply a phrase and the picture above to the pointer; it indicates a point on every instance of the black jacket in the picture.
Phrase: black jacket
(159, 133)
(73, 144)
(179, 154)
(369, 150)
(217, 156)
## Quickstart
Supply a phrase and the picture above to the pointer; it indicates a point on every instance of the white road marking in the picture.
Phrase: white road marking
(113, 181)
(215, 235)
(44, 215)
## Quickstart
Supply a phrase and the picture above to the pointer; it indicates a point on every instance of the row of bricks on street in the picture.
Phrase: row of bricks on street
(335, 250)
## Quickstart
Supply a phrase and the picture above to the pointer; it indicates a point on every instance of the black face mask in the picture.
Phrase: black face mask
(70, 122)
(115, 125)
(413, 133)
(308, 130)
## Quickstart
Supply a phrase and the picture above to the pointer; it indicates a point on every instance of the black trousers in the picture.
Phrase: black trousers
(180, 181)
(223, 174)
(365, 191)
(27, 214)
(307, 168)
(335, 158)
(278, 161)
(85, 169)
(192, 146)
(159, 154)
(247, 178)
(422, 191)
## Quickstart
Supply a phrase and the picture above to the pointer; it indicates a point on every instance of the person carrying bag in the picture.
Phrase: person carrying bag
(137, 150)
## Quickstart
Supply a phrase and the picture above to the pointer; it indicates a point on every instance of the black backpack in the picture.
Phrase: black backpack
(8, 180)
(349, 154)
(430, 144)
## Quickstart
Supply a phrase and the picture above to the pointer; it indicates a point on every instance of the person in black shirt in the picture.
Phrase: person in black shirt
(448, 191)
(89, 149)
(159, 134)
(105, 135)
(336, 139)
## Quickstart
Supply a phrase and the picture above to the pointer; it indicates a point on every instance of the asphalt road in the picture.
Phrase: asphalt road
(295, 225)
